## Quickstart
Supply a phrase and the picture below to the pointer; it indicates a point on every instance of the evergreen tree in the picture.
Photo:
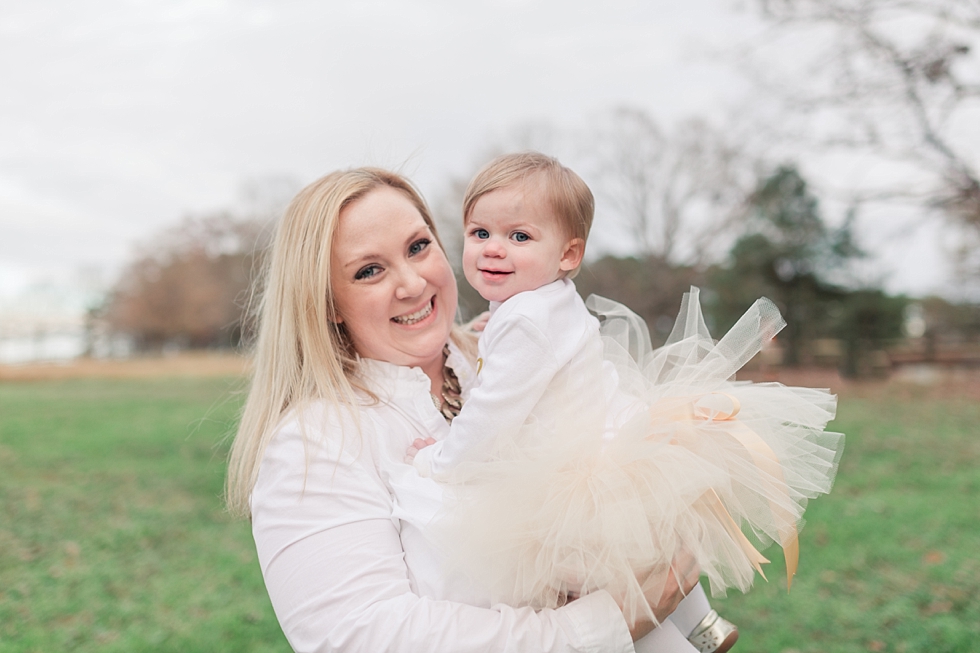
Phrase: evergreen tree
(789, 255)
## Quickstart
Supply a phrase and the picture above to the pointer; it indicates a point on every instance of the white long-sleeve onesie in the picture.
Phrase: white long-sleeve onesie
(539, 348)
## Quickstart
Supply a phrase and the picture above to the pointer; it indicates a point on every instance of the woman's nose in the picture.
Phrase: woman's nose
(410, 283)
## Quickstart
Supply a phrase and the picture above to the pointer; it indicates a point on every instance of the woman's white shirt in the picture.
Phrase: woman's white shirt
(338, 519)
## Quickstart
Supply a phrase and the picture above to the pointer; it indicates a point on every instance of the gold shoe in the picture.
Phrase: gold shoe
(714, 634)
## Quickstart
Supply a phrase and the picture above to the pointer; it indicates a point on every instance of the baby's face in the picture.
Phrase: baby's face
(513, 243)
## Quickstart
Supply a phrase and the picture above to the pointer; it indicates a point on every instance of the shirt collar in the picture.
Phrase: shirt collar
(390, 381)
(554, 286)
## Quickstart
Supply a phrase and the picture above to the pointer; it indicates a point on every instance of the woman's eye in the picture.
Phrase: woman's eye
(482, 234)
(418, 246)
(521, 237)
(367, 272)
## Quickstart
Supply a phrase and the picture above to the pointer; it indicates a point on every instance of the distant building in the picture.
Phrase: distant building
(50, 322)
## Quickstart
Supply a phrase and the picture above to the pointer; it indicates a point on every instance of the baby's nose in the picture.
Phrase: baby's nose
(494, 248)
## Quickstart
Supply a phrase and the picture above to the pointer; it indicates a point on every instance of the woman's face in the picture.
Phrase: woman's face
(393, 287)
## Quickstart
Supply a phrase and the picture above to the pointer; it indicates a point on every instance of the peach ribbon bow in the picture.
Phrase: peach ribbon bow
(713, 407)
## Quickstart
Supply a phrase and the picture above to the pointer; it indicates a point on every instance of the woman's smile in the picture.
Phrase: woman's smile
(417, 316)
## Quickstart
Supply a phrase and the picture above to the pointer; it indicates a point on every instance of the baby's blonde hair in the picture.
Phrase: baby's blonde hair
(302, 352)
(567, 194)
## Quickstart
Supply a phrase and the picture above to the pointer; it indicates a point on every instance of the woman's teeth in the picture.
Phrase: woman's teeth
(416, 316)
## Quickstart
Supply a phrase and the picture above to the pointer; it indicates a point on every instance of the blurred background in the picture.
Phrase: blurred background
(823, 153)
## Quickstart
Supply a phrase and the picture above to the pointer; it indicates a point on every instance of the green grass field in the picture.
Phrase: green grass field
(113, 536)
(112, 532)
(890, 560)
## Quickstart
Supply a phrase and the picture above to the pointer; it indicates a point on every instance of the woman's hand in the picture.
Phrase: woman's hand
(416, 447)
(682, 579)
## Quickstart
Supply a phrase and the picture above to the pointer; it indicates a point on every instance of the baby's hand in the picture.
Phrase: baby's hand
(416, 447)
(478, 323)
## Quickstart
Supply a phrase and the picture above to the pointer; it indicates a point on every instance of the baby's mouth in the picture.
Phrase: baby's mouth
(417, 316)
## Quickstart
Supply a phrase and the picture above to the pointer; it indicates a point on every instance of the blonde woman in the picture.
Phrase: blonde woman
(357, 356)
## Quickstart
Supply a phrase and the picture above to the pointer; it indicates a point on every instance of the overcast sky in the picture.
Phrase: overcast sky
(119, 117)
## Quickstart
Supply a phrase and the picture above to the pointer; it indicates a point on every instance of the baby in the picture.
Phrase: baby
(526, 220)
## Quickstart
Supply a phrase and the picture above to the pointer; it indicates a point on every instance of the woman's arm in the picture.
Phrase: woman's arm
(335, 570)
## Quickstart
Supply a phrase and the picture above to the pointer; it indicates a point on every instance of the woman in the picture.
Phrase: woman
(357, 356)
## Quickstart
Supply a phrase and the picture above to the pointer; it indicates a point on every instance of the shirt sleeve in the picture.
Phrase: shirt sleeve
(336, 575)
(520, 363)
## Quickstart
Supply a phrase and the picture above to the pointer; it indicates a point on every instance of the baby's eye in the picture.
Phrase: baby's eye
(418, 246)
(521, 237)
(482, 234)
(367, 272)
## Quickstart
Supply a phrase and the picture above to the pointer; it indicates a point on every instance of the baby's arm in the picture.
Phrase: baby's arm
(519, 364)
(476, 325)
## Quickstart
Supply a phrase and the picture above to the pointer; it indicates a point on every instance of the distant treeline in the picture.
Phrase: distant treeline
(195, 287)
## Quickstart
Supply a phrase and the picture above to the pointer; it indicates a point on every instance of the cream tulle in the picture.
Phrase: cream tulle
(640, 470)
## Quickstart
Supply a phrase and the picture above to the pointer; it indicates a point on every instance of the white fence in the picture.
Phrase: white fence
(61, 345)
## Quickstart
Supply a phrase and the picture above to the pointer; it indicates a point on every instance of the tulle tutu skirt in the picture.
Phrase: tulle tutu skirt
(669, 454)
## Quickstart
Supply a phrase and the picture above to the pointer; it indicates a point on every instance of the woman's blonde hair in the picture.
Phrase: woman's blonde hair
(302, 352)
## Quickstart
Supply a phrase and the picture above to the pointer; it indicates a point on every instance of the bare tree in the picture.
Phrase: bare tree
(677, 194)
(191, 287)
(897, 80)
(631, 152)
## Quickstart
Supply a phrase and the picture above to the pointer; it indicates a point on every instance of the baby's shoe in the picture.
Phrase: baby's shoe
(714, 634)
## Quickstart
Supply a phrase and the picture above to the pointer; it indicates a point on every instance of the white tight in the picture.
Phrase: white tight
(671, 635)
(691, 611)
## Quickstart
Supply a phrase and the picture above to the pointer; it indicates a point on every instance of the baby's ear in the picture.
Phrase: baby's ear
(572, 256)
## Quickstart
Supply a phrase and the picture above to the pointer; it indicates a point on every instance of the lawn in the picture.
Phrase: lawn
(113, 536)
(890, 560)
(112, 532)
